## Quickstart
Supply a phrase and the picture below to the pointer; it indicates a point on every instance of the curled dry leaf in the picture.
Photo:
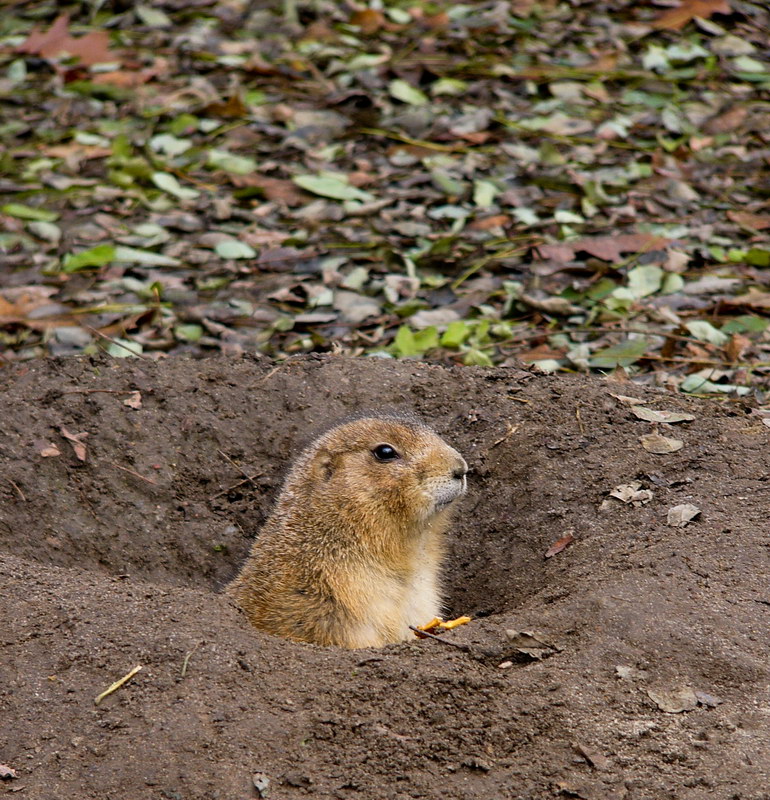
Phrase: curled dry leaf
(674, 701)
(46, 449)
(531, 644)
(134, 400)
(653, 415)
(6, 773)
(660, 445)
(593, 757)
(559, 545)
(77, 442)
(632, 493)
(679, 516)
(629, 401)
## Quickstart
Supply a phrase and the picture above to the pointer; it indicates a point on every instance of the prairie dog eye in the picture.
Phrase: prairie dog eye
(385, 452)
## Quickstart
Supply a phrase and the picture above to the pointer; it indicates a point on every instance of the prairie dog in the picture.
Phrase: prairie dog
(350, 555)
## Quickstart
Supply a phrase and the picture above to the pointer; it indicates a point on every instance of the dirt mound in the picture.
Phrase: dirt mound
(117, 560)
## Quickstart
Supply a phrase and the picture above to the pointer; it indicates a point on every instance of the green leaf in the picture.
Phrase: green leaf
(477, 358)
(331, 185)
(95, 257)
(188, 333)
(706, 332)
(484, 193)
(21, 211)
(404, 344)
(124, 348)
(238, 165)
(132, 255)
(747, 323)
(455, 334)
(232, 248)
(406, 93)
(644, 281)
(426, 339)
(697, 384)
(758, 257)
(620, 355)
(168, 183)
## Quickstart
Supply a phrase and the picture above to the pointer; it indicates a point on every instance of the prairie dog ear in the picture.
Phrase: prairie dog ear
(321, 466)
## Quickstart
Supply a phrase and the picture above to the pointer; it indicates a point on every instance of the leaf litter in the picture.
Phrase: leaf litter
(569, 186)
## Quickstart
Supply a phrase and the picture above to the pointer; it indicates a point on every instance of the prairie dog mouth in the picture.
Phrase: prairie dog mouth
(449, 492)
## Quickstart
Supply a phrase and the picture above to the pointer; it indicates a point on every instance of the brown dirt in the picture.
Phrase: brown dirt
(102, 571)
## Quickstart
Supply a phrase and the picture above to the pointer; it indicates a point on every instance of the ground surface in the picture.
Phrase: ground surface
(118, 560)
(571, 183)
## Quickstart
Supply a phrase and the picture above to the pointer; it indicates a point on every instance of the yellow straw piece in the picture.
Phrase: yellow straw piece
(115, 686)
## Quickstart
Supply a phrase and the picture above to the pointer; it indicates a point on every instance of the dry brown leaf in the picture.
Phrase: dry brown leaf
(6, 772)
(728, 121)
(134, 400)
(232, 108)
(368, 20)
(674, 701)
(754, 298)
(606, 248)
(679, 516)
(276, 190)
(736, 347)
(559, 545)
(676, 18)
(46, 449)
(660, 445)
(92, 48)
(656, 415)
(77, 442)
(754, 222)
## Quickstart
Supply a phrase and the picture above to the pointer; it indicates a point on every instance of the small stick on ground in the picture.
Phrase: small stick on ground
(21, 494)
(188, 657)
(511, 430)
(115, 686)
(463, 647)
(247, 479)
(117, 343)
(131, 472)
(580, 421)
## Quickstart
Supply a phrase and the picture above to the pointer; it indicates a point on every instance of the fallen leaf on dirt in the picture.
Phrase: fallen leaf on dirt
(674, 701)
(632, 493)
(660, 445)
(593, 757)
(606, 248)
(736, 347)
(754, 298)
(369, 20)
(709, 700)
(261, 783)
(46, 449)
(750, 221)
(6, 773)
(559, 545)
(679, 516)
(531, 644)
(92, 48)
(76, 440)
(629, 673)
(629, 401)
(134, 400)
(653, 415)
(676, 18)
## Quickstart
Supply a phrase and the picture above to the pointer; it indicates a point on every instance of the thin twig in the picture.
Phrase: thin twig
(115, 686)
(240, 469)
(511, 430)
(580, 421)
(131, 472)
(117, 343)
(463, 647)
(21, 494)
(188, 657)
(236, 485)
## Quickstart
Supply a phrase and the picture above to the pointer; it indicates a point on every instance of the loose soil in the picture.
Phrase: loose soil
(119, 560)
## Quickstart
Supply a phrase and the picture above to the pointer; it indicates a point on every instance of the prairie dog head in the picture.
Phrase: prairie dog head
(383, 466)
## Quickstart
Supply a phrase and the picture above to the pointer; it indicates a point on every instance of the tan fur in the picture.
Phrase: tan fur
(350, 555)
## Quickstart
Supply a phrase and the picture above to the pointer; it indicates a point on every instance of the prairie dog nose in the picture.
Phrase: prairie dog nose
(460, 470)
